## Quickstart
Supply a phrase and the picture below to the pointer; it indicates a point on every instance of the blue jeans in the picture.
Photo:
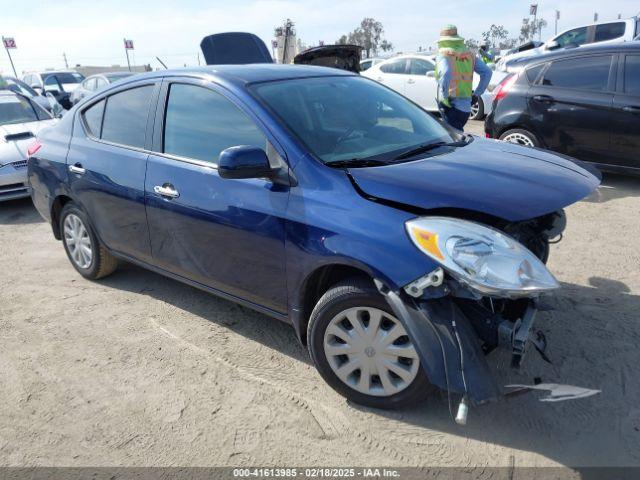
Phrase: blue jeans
(454, 117)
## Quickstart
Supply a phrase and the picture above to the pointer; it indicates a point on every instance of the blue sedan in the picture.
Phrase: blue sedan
(401, 251)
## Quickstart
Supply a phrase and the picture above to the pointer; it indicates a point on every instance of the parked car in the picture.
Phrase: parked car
(413, 75)
(59, 83)
(393, 245)
(367, 63)
(94, 83)
(584, 103)
(603, 32)
(20, 120)
(47, 101)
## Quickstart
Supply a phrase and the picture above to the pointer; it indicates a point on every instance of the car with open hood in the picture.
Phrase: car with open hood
(401, 252)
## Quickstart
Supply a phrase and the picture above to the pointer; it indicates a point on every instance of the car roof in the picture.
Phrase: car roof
(243, 74)
(583, 50)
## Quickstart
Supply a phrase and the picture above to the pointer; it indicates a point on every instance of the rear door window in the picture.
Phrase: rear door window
(609, 31)
(395, 66)
(632, 75)
(534, 72)
(201, 123)
(125, 117)
(583, 73)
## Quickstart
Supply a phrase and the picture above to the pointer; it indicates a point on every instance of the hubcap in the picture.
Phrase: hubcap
(370, 351)
(475, 108)
(519, 138)
(77, 240)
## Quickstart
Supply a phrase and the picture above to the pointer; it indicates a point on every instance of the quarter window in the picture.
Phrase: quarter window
(609, 31)
(93, 118)
(584, 73)
(395, 66)
(125, 116)
(632, 75)
(201, 123)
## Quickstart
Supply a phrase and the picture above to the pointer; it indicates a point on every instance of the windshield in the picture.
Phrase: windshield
(15, 109)
(67, 77)
(350, 117)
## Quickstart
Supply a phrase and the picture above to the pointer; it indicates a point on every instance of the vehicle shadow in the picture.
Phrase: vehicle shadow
(615, 186)
(19, 212)
(593, 335)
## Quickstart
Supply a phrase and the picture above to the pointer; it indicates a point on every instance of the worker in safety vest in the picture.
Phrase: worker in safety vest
(454, 71)
(485, 55)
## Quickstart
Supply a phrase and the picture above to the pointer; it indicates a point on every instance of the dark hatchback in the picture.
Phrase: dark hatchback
(584, 103)
(396, 247)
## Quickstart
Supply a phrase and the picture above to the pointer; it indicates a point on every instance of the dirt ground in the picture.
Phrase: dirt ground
(140, 370)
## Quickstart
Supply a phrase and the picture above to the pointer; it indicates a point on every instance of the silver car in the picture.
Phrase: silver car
(20, 121)
(96, 82)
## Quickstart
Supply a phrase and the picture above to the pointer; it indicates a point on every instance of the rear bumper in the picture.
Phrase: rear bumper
(13, 182)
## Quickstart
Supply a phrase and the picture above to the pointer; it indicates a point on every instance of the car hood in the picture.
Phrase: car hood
(496, 178)
(344, 57)
(234, 48)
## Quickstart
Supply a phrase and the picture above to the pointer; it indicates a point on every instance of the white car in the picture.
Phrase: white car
(413, 75)
(20, 121)
(603, 32)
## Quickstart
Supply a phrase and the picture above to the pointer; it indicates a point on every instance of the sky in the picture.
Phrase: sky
(91, 33)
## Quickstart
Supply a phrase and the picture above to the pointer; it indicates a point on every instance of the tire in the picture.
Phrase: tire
(520, 137)
(359, 299)
(477, 114)
(78, 235)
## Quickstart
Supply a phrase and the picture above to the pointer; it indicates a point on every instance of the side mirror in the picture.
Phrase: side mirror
(431, 74)
(244, 162)
(56, 108)
(552, 45)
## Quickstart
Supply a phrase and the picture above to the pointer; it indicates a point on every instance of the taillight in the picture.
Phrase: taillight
(33, 148)
(504, 86)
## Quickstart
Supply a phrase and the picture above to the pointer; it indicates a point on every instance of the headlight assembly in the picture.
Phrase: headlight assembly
(483, 258)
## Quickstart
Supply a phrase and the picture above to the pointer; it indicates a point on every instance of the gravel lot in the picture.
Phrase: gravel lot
(140, 370)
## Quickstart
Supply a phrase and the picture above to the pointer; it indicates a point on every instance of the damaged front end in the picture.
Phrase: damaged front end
(484, 295)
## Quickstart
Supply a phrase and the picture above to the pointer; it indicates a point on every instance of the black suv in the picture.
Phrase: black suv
(583, 102)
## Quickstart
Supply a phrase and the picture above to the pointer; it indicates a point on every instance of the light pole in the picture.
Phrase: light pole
(557, 18)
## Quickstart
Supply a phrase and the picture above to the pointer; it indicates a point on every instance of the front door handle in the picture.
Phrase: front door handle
(411, 81)
(543, 98)
(166, 190)
(77, 169)
(380, 79)
(631, 109)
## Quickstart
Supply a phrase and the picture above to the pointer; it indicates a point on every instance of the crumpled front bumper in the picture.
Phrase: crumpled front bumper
(450, 350)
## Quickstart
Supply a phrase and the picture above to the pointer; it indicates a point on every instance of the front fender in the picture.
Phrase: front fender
(455, 363)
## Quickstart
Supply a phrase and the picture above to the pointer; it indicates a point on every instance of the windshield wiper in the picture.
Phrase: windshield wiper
(357, 162)
(431, 146)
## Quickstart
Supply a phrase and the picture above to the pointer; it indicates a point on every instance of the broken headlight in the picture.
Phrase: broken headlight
(483, 258)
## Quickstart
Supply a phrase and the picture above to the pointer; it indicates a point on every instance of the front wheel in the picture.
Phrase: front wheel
(87, 255)
(362, 350)
(477, 110)
(520, 137)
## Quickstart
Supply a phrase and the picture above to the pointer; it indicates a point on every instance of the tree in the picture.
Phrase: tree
(494, 35)
(530, 28)
(472, 44)
(369, 36)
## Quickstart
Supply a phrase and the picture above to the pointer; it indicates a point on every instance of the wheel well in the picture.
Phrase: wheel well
(59, 202)
(317, 284)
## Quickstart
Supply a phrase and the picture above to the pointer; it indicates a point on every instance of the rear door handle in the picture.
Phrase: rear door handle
(166, 190)
(411, 81)
(380, 79)
(543, 98)
(631, 109)
(77, 169)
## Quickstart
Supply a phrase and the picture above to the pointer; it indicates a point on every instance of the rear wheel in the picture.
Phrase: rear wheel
(362, 350)
(87, 255)
(521, 137)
